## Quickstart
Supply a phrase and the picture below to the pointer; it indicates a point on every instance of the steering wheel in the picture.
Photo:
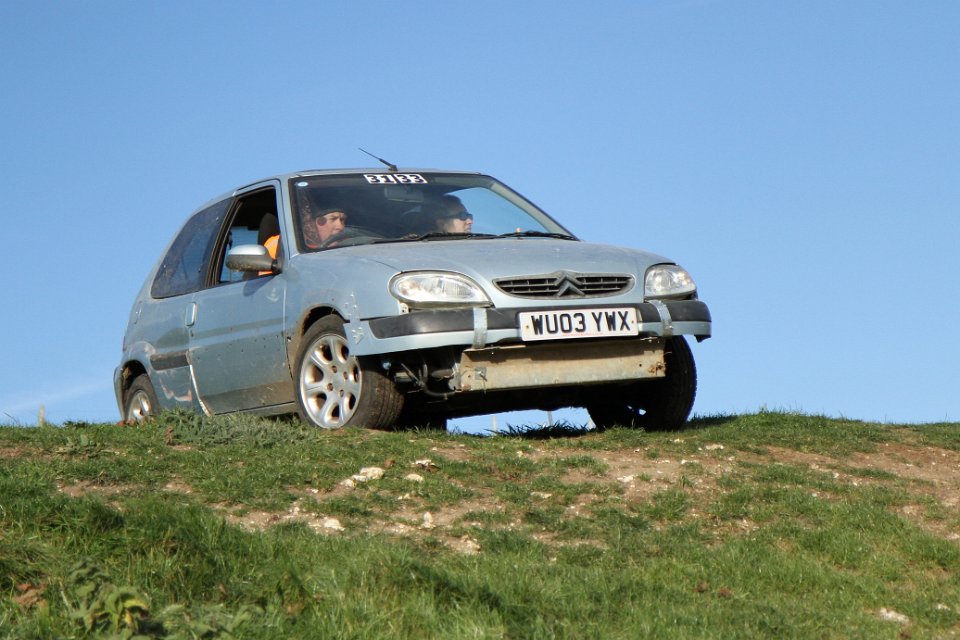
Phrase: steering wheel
(350, 236)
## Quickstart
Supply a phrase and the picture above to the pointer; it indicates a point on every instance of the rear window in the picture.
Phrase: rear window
(185, 266)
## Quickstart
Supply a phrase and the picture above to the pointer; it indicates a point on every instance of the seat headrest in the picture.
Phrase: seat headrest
(269, 227)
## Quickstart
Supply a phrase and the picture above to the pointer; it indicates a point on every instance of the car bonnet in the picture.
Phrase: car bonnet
(489, 259)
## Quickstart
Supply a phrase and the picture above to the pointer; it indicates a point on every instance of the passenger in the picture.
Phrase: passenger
(450, 215)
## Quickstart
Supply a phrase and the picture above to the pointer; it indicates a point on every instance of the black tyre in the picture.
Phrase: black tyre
(421, 422)
(140, 401)
(334, 389)
(657, 405)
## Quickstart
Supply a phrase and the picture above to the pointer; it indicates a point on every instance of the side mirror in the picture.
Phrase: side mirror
(251, 257)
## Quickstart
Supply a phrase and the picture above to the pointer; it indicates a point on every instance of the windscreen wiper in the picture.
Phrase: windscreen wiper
(435, 235)
(537, 234)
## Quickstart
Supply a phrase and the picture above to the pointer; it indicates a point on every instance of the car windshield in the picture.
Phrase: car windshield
(341, 210)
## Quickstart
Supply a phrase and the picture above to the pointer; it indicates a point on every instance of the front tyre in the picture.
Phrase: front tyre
(334, 389)
(140, 402)
(656, 405)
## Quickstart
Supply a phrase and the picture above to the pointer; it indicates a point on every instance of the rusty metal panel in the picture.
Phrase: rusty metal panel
(543, 365)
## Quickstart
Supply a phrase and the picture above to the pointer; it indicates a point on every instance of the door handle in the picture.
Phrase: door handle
(190, 315)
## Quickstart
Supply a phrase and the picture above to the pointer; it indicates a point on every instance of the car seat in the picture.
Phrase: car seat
(269, 227)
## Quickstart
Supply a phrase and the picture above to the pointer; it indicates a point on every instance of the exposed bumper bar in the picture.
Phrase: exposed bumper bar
(549, 364)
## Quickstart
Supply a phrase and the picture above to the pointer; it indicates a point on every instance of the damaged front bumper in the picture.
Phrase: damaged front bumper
(481, 327)
(489, 353)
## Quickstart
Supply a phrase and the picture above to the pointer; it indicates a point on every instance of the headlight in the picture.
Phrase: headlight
(668, 281)
(437, 289)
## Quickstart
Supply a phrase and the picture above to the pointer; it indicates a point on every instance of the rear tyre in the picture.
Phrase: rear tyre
(334, 389)
(657, 405)
(140, 400)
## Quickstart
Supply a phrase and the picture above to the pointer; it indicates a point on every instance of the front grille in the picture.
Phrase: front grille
(564, 284)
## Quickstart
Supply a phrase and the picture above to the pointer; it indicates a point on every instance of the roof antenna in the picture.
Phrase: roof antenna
(389, 165)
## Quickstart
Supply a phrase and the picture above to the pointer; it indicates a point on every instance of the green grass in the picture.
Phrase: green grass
(749, 526)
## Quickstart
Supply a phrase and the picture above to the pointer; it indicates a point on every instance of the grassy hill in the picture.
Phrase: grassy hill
(766, 525)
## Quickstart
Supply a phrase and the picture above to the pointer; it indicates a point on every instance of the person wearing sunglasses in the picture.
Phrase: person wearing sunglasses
(450, 215)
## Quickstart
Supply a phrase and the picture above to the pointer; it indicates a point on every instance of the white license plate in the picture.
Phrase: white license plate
(578, 323)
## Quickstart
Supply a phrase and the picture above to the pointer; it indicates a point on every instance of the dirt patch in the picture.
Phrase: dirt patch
(22, 452)
(83, 488)
(930, 464)
(455, 453)
(630, 478)
(86, 487)
(929, 473)
(260, 520)
(928, 470)
(176, 485)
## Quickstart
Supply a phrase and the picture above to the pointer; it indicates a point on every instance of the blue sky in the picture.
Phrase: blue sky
(801, 159)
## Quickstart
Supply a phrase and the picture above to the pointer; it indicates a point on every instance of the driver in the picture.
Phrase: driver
(328, 223)
(323, 226)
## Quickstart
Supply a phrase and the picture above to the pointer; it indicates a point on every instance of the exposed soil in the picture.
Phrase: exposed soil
(930, 474)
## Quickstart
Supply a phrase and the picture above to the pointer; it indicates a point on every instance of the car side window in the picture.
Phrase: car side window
(254, 222)
(185, 266)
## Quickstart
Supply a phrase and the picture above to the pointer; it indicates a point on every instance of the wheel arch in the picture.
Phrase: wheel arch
(311, 316)
(128, 373)
(307, 320)
(123, 378)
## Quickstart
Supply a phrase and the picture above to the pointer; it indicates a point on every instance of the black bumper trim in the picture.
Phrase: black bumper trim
(172, 360)
(447, 320)
(688, 311)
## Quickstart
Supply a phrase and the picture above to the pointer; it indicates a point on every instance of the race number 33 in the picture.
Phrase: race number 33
(395, 178)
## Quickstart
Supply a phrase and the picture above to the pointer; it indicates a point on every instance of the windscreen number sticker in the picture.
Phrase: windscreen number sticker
(395, 178)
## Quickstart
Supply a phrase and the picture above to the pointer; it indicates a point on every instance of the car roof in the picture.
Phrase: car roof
(282, 177)
(346, 171)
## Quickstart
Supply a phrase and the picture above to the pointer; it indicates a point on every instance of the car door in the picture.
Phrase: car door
(163, 320)
(237, 343)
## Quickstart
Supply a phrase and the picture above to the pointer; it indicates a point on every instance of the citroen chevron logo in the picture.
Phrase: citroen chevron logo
(567, 285)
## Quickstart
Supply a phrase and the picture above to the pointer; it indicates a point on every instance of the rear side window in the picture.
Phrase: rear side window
(185, 266)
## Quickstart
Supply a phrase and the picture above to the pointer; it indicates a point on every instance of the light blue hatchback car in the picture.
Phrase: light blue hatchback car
(399, 298)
